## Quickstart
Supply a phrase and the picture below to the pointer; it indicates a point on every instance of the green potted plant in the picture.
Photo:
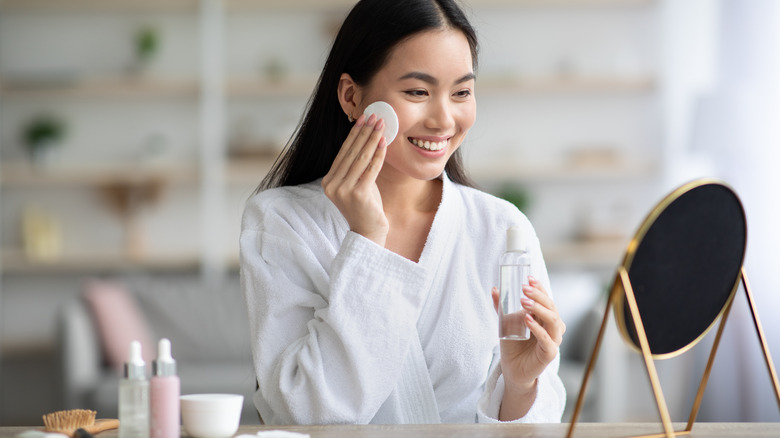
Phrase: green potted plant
(515, 194)
(146, 44)
(42, 136)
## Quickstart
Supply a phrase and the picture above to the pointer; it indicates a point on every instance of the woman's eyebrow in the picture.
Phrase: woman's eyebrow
(425, 77)
(466, 78)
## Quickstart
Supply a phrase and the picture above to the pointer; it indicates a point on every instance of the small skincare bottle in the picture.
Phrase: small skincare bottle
(515, 269)
(164, 391)
(134, 397)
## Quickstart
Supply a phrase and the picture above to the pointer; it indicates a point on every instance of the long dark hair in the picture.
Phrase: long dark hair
(364, 42)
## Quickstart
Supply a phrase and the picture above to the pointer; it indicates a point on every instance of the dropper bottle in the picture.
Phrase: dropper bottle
(134, 396)
(164, 388)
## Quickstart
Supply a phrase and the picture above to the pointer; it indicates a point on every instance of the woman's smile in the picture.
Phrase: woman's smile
(430, 145)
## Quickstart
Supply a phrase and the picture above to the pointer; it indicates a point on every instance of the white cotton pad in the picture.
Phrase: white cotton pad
(384, 111)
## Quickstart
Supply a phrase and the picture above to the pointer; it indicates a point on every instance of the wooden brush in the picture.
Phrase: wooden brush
(68, 422)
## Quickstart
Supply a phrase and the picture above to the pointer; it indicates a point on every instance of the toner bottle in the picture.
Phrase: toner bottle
(164, 391)
(134, 396)
(515, 267)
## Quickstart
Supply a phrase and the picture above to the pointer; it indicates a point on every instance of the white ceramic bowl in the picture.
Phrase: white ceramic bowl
(211, 415)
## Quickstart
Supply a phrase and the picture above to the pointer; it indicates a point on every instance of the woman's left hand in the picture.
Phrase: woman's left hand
(522, 362)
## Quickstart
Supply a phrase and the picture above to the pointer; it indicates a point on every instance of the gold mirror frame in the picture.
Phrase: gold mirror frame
(622, 294)
(619, 300)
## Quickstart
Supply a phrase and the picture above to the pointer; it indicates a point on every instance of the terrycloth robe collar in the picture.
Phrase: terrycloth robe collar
(413, 400)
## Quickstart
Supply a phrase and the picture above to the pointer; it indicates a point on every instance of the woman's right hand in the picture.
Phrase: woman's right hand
(351, 181)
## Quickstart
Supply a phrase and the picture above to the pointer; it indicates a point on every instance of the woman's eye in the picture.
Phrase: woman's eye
(463, 93)
(417, 93)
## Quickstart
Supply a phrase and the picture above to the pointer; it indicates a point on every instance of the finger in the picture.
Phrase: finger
(349, 141)
(352, 148)
(364, 156)
(496, 297)
(541, 304)
(354, 142)
(375, 165)
(532, 281)
(354, 151)
(547, 318)
(544, 342)
(535, 291)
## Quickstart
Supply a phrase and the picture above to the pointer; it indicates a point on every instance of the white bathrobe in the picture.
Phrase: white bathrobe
(346, 331)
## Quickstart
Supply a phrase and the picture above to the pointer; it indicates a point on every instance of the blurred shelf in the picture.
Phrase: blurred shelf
(297, 86)
(118, 87)
(233, 261)
(252, 170)
(113, 6)
(302, 86)
(19, 175)
(259, 87)
(26, 175)
(14, 261)
(509, 171)
(501, 84)
(247, 171)
(586, 254)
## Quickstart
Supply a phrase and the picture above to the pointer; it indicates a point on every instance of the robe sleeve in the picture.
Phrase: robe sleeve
(547, 408)
(328, 338)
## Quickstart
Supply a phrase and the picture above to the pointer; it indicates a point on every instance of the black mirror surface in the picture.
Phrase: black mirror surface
(684, 266)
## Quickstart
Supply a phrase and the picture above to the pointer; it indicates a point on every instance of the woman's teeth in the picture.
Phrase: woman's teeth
(431, 146)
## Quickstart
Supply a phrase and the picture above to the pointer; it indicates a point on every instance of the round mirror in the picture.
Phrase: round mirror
(684, 266)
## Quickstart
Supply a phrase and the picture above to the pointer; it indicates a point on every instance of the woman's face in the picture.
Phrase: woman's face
(429, 81)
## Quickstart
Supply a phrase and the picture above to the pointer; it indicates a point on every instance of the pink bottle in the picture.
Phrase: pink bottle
(164, 391)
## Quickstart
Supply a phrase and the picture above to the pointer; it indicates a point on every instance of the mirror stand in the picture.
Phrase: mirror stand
(622, 285)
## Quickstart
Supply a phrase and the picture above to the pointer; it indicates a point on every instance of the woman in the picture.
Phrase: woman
(367, 266)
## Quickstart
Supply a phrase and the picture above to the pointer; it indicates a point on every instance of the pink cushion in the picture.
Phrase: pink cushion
(119, 321)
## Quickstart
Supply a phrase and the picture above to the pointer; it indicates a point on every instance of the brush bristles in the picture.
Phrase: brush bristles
(68, 421)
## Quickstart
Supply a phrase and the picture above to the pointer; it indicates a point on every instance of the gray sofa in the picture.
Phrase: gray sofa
(207, 326)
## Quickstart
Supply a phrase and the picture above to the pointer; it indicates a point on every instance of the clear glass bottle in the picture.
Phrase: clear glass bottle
(515, 269)
(134, 396)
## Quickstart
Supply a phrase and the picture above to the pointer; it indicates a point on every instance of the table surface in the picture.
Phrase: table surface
(582, 430)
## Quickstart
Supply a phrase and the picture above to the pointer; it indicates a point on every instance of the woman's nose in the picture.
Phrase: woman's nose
(440, 115)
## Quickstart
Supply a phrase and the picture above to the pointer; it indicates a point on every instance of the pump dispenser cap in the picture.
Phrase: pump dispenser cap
(515, 240)
(135, 368)
(164, 365)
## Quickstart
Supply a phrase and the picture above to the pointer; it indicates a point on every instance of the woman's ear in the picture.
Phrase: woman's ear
(349, 96)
